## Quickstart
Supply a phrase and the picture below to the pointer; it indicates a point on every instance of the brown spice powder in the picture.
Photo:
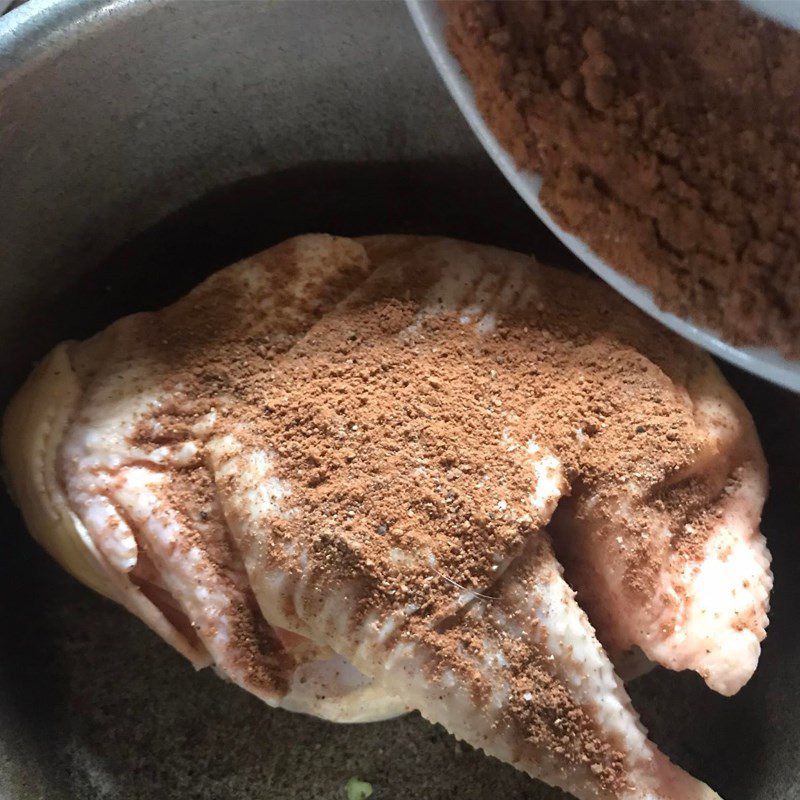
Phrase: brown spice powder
(398, 441)
(667, 135)
(394, 437)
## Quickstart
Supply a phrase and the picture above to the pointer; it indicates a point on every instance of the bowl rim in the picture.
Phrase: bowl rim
(38, 31)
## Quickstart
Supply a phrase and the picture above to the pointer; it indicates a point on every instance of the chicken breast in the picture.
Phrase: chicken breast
(343, 472)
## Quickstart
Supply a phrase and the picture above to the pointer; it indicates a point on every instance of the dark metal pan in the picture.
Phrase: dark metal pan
(143, 145)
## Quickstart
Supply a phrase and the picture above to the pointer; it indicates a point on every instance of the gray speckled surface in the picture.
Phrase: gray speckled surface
(352, 134)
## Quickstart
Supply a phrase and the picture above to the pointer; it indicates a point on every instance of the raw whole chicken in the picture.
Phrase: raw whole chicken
(346, 473)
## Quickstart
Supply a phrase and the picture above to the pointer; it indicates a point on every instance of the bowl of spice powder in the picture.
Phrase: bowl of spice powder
(659, 141)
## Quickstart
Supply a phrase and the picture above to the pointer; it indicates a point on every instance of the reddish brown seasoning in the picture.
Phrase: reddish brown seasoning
(393, 437)
(667, 135)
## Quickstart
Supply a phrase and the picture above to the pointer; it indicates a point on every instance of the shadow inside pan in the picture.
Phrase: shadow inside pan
(108, 711)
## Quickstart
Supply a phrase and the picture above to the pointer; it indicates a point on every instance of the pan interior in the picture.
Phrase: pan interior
(105, 710)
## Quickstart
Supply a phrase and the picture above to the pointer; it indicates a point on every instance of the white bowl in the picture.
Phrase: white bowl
(766, 362)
